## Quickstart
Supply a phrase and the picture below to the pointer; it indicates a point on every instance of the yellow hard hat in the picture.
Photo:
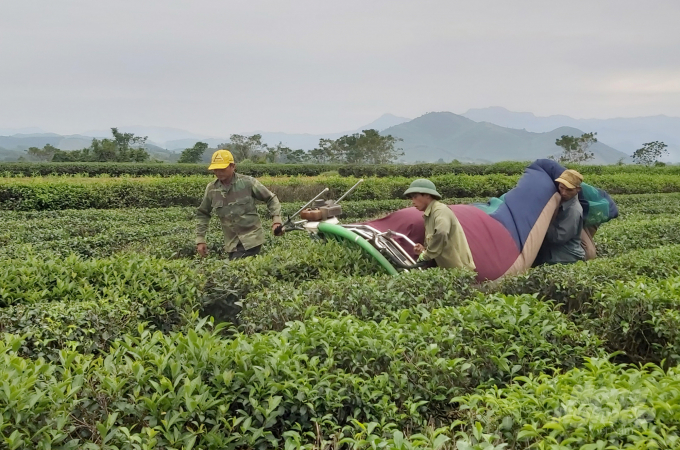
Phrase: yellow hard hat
(221, 159)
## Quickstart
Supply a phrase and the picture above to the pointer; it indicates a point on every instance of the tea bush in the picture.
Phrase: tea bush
(35, 280)
(367, 298)
(86, 326)
(601, 405)
(647, 204)
(429, 170)
(55, 193)
(575, 284)
(86, 304)
(640, 318)
(294, 262)
(37, 398)
(82, 193)
(326, 351)
(478, 332)
(646, 221)
(622, 236)
(506, 167)
(641, 321)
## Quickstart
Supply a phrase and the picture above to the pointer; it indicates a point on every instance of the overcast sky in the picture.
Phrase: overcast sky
(224, 66)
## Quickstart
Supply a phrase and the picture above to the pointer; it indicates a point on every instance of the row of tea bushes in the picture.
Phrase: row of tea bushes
(368, 298)
(506, 168)
(91, 302)
(94, 169)
(318, 376)
(35, 280)
(646, 221)
(266, 391)
(102, 169)
(27, 194)
(293, 275)
(628, 204)
(82, 193)
(630, 301)
(293, 262)
(637, 232)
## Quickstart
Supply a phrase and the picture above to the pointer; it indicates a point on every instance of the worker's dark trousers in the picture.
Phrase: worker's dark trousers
(431, 264)
(241, 252)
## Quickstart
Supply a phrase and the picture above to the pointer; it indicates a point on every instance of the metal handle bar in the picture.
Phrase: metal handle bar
(350, 190)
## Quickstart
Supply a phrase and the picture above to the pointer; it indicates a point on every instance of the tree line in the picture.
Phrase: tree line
(367, 147)
(122, 147)
(576, 150)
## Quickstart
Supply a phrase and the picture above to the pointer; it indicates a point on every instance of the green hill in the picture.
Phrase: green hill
(449, 136)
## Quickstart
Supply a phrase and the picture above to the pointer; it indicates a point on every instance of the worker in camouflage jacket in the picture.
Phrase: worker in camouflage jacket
(232, 198)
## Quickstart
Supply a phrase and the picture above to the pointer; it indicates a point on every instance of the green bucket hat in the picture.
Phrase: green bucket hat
(423, 186)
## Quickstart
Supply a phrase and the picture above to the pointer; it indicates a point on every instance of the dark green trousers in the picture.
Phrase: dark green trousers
(241, 252)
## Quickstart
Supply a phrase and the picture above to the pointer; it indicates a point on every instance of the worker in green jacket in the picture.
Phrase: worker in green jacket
(232, 198)
(445, 241)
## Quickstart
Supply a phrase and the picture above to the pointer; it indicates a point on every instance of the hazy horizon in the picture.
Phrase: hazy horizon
(216, 68)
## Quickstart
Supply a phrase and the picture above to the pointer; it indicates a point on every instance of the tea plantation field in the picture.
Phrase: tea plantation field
(117, 336)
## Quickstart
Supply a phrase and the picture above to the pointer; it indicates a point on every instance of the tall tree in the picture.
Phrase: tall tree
(124, 147)
(245, 147)
(103, 150)
(650, 153)
(130, 147)
(42, 154)
(194, 154)
(575, 149)
(71, 156)
(367, 147)
(298, 156)
(379, 149)
(274, 153)
(348, 149)
(327, 152)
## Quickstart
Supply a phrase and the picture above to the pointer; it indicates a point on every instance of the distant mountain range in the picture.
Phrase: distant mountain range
(479, 135)
(449, 136)
(303, 141)
(11, 131)
(624, 134)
